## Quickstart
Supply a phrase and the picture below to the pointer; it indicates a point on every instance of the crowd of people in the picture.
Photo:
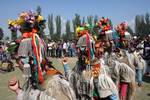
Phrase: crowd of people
(109, 67)
(61, 48)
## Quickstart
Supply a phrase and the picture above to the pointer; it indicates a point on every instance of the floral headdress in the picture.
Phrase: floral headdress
(105, 24)
(30, 24)
(26, 22)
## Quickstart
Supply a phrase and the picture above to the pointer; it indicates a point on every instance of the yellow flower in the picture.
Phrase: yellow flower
(20, 20)
(12, 22)
(23, 14)
(40, 18)
(77, 29)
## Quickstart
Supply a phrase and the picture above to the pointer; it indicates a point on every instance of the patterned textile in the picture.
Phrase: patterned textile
(25, 48)
(59, 89)
(80, 84)
(123, 71)
(88, 88)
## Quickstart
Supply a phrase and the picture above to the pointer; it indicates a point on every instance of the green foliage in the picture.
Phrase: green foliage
(51, 25)
(83, 21)
(147, 20)
(95, 18)
(142, 25)
(56, 37)
(38, 10)
(68, 31)
(58, 26)
(1, 33)
(90, 20)
(76, 22)
(130, 30)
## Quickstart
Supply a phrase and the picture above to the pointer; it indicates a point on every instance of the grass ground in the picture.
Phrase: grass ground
(6, 94)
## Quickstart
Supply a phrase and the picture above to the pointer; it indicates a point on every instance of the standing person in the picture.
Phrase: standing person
(57, 49)
(73, 48)
(34, 64)
(139, 69)
(68, 49)
(124, 77)
(49, 49)
(60, 49)
(1, 53)
(64, 48)
(147, 55)
(54, 49)
(87, 79)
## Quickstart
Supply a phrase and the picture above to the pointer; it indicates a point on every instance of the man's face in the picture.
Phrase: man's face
(98, 52)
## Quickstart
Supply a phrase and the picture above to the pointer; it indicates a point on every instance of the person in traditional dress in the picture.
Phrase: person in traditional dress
(124, 77)
(87, 78)
(35, 67)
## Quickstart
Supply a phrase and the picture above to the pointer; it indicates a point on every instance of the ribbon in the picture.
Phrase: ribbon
(37, 52)
(36, 43)
(88, 45)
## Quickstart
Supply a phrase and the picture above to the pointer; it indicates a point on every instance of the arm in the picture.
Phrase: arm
(66, 67)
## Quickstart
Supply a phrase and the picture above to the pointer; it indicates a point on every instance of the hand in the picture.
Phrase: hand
(64, 60)
(13, 85)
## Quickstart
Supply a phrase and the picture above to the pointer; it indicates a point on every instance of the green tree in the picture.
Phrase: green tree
(142, 26)
(90, 20)
(68, 31)
(38, 10)
(74, 25)
(76, 22)
(130, 30)
(147, 22)
(58, 26)
(51, 26)
(137, 24)
(95, 19)
(1, 33)
(83, 21)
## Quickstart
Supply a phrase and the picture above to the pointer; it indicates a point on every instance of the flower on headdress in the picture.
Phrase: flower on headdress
(13, 25)
(105, 24)
(27, 21)
(40, 18)
(122, 27)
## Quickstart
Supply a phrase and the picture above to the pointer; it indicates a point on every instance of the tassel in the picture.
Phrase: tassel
(37, 54)
(88, 45)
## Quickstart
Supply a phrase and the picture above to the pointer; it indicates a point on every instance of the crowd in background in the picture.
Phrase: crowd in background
(68, 49)
(61, 48)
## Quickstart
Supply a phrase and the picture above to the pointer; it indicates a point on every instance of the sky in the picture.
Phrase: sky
(117, 10)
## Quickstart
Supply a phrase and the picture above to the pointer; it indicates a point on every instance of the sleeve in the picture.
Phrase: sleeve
(115, 73)
(66, 69)
(20, 96)
(44, 96)
(73, 83)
